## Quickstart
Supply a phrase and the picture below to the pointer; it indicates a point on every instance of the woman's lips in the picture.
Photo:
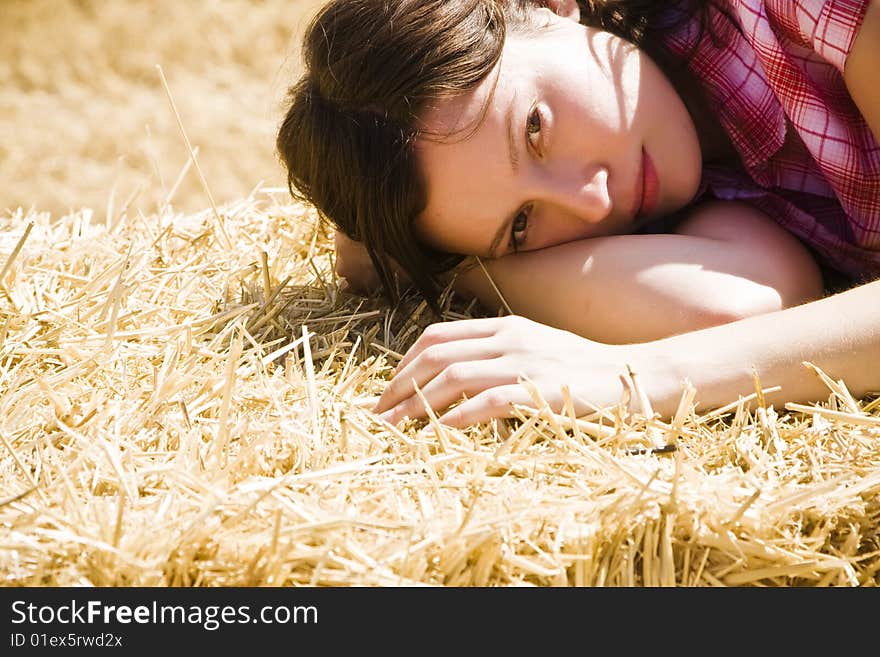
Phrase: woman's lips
(650, 186)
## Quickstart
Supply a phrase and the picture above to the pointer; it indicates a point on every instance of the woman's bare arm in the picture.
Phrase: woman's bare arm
(726, 262)
(840, 334)
(485, 358)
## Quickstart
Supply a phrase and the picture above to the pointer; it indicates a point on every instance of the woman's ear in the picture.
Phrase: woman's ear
(564, 8)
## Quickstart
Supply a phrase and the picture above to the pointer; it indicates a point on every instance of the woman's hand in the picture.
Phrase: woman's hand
(354, 265)
(484, 359)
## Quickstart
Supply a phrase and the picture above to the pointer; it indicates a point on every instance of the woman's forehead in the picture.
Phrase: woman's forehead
(446, 118)
(523, 59)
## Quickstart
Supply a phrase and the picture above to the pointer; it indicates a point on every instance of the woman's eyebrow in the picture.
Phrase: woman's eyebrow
(512, 150)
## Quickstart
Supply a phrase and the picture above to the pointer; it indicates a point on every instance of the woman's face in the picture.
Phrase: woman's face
(582, 136)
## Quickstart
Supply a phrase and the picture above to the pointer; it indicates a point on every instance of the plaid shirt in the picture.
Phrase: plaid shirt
(810, 159)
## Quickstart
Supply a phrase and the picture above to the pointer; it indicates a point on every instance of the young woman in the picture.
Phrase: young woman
(625, 170)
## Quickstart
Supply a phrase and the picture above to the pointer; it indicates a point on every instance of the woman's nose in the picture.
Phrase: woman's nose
(583, 194)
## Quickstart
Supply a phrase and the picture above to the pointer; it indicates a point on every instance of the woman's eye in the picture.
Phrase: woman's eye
(518, 229)
(533, 126)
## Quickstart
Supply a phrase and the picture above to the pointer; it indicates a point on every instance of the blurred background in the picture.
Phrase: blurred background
(83, 111)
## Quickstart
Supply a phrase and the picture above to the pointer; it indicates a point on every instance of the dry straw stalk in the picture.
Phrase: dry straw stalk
(176, 411)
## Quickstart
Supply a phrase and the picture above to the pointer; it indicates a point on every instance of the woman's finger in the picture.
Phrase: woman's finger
(461, 378)
(493, 402)
(441, 332)
(430, 363)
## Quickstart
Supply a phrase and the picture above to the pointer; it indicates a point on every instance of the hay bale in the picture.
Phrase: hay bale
(174, 412)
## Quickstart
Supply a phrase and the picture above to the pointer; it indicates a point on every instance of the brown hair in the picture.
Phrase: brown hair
(371, 68)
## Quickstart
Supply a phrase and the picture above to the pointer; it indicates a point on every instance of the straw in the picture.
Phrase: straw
(195, 421)
(192, 154)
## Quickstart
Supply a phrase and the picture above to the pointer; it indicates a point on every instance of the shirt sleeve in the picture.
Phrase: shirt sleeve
(830, 26)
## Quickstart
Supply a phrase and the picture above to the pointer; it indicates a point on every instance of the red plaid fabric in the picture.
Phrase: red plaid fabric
(810, 159)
